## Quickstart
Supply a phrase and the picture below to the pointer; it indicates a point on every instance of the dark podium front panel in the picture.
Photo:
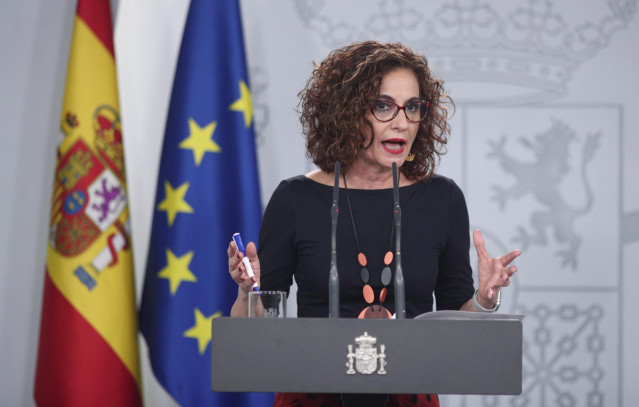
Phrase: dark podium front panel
(445, 353)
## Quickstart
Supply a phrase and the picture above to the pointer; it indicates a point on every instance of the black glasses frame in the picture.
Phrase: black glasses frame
(398, 108)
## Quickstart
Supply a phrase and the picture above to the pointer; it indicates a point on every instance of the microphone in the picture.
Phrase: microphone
(333, 281)
(400, 294)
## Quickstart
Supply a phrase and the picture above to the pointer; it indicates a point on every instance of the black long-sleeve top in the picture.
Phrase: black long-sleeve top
(295, 241)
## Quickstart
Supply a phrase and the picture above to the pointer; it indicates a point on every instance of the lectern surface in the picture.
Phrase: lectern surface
(446, 355)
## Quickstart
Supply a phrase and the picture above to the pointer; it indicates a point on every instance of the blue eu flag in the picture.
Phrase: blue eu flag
(207, 190)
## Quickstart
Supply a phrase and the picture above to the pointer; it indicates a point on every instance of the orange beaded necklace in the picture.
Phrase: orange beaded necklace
(373, 310)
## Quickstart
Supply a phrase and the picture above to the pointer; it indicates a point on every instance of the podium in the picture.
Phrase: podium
(445, 352)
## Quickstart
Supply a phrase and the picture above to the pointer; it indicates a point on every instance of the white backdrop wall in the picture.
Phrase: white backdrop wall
(544, 145)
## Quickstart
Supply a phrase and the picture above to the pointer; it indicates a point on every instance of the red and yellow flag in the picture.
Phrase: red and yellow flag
(88, 351)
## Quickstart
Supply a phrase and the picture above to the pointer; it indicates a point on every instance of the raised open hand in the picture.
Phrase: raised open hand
(493, 272)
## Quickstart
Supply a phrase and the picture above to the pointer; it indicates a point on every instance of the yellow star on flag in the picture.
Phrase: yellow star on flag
(177, 270)
(174, 201)
(244, 104)
(200, 140)
(202, 329)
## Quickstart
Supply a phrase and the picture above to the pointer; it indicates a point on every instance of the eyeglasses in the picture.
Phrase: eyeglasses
(385, 110)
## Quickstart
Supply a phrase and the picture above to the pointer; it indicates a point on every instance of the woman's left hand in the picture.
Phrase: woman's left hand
(493, 272)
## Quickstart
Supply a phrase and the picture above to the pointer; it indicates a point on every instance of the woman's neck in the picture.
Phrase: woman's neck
(358, 179)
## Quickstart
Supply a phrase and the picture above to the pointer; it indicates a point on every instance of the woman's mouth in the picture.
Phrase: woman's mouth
(394, 146)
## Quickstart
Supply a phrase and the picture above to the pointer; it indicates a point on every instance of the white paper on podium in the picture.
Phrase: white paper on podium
(468, 315)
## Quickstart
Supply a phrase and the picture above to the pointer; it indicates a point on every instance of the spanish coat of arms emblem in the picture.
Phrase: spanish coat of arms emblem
(365, 358)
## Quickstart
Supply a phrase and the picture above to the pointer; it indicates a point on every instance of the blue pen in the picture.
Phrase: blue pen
(249, 270)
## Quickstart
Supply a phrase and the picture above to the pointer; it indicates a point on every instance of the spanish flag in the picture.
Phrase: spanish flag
(88, 351)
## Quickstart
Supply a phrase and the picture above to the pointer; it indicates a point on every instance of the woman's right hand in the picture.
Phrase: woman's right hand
(237, 268)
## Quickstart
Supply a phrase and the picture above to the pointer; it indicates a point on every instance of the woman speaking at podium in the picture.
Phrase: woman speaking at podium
(369, 105)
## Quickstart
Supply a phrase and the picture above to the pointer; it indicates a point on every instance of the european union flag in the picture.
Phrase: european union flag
(207, 190)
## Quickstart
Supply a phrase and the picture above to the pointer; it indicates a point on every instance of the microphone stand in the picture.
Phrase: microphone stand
(333, 281)
(400, 293)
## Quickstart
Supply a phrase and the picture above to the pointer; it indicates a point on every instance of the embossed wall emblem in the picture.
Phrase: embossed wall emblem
(522, 50)
(541, 177)
(543, 184)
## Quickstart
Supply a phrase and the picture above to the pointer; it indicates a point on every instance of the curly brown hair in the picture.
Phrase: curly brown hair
(338, 95)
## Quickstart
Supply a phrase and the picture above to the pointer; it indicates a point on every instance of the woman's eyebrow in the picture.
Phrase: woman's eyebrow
(392, 99)
(387, 97)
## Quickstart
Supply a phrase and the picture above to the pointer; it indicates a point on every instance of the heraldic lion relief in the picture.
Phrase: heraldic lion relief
(542, 178)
